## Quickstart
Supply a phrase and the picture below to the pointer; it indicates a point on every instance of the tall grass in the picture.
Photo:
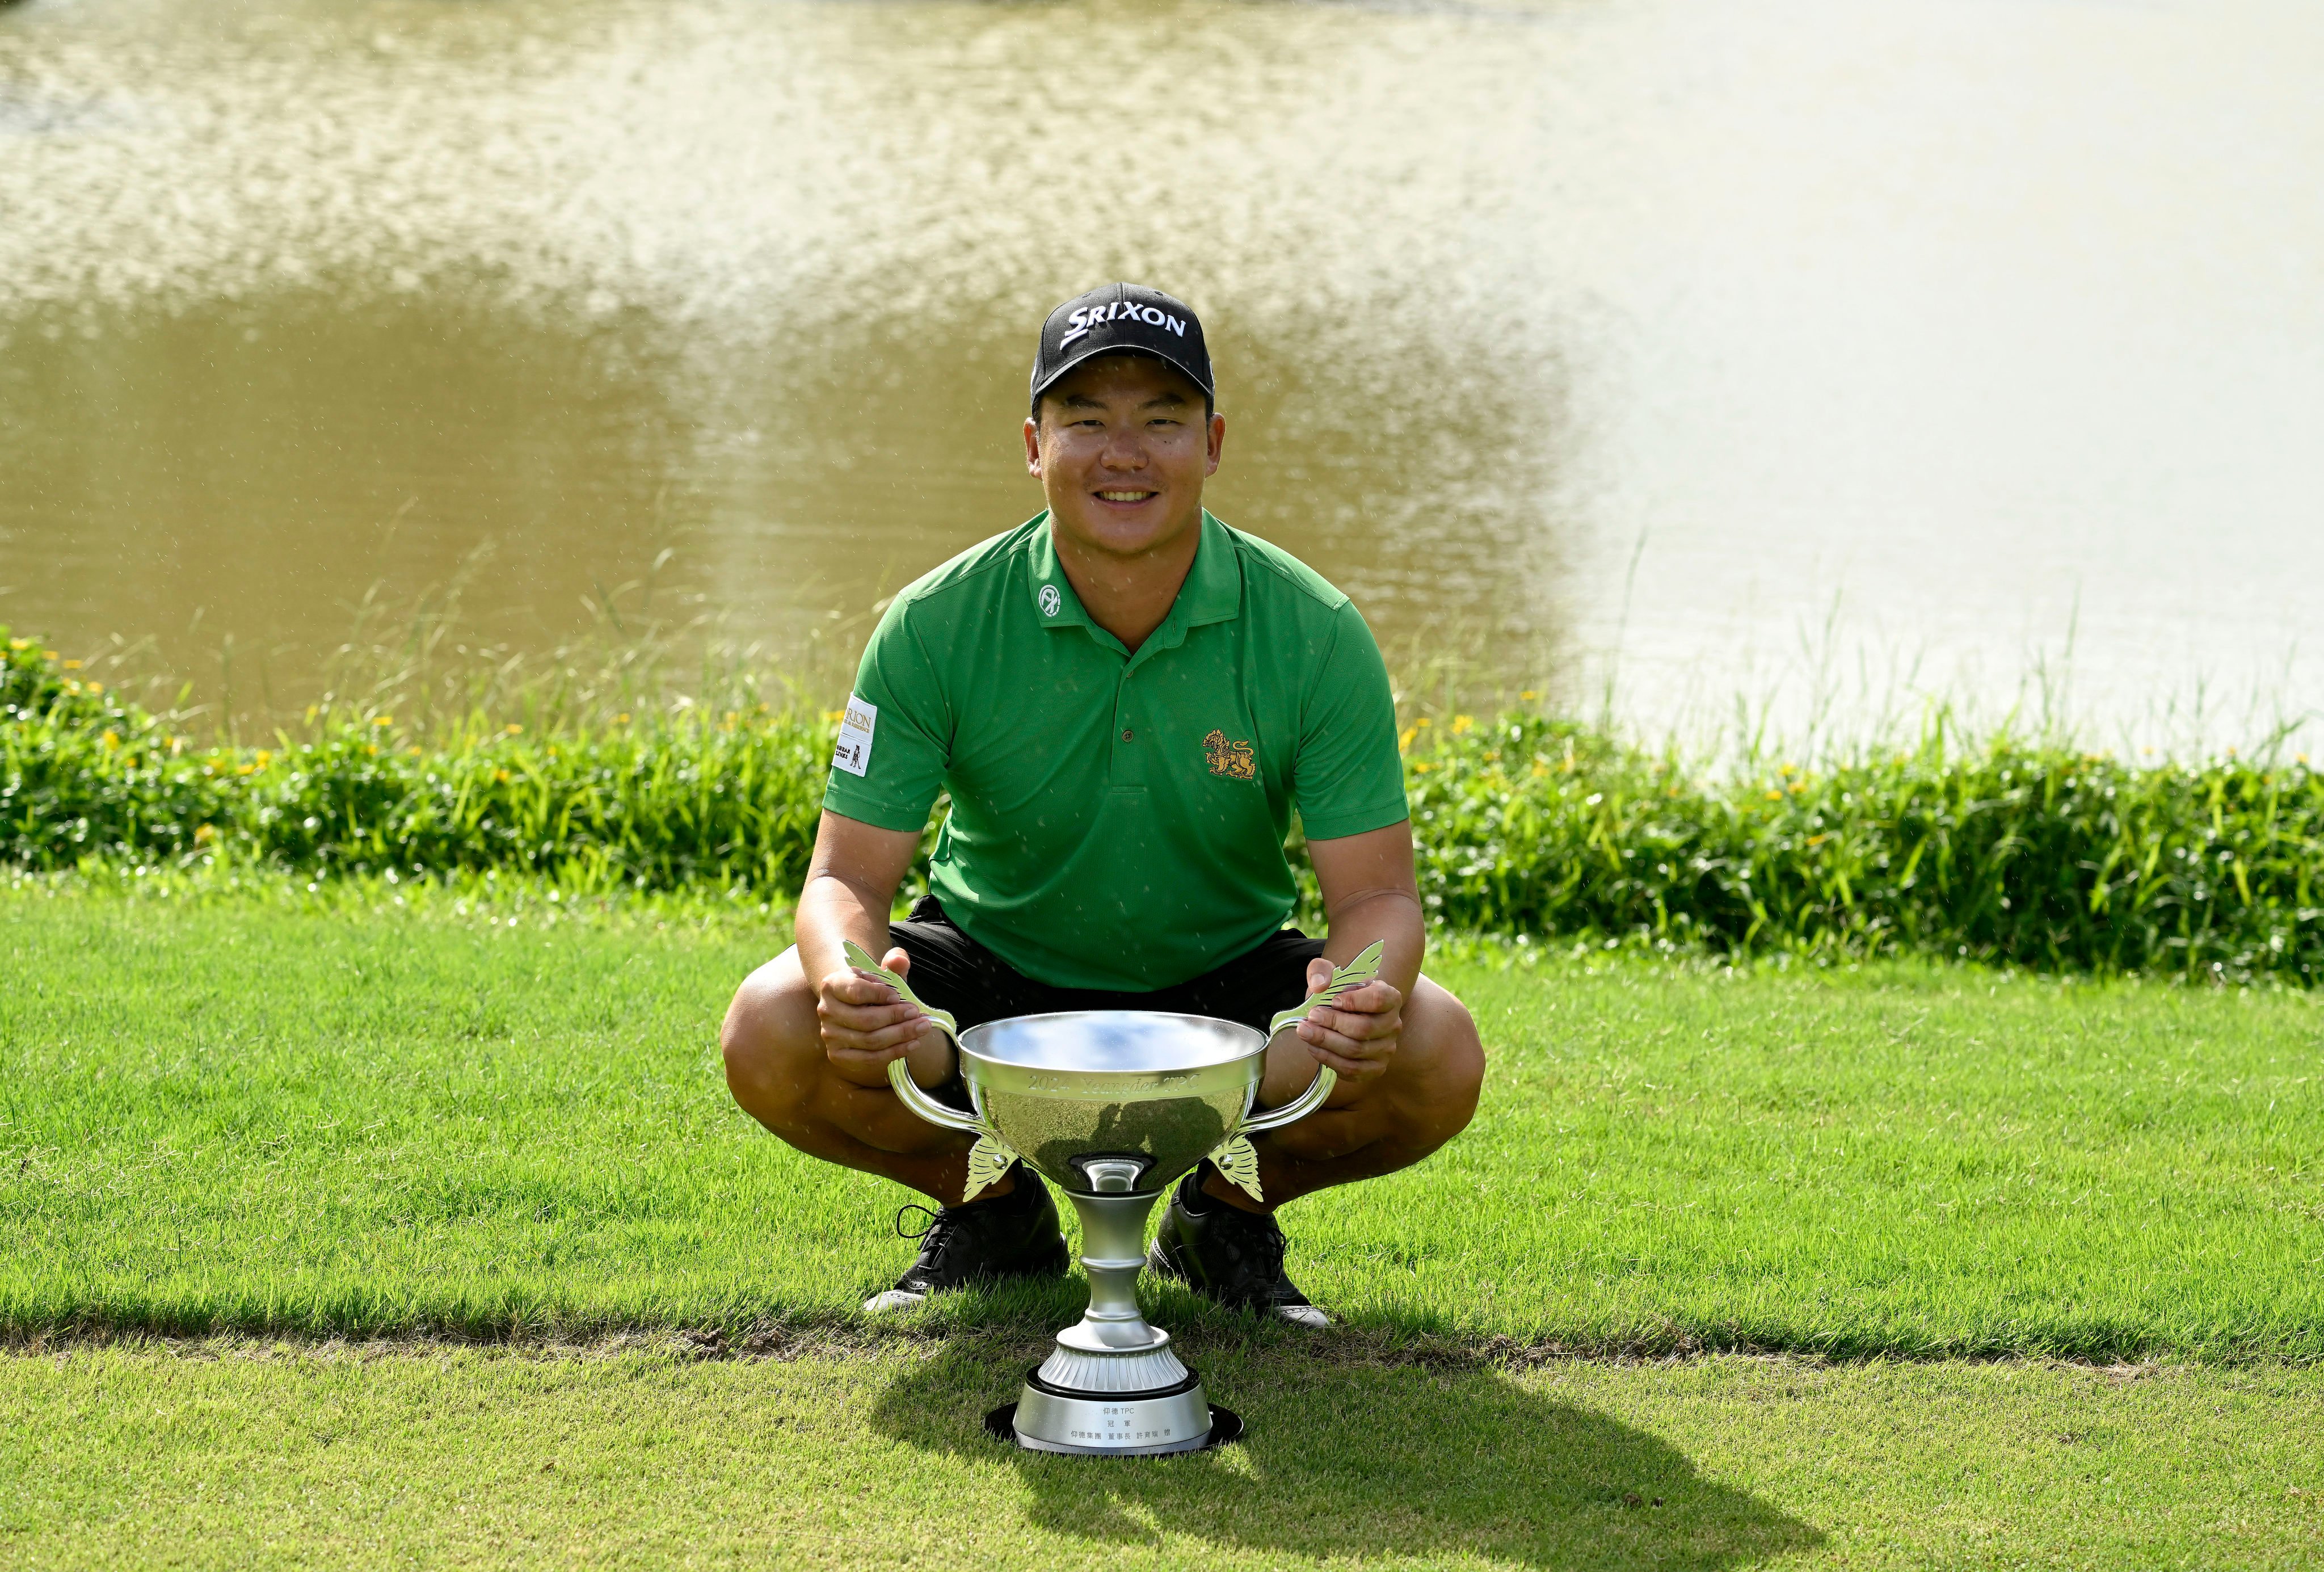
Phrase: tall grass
(1993, 847)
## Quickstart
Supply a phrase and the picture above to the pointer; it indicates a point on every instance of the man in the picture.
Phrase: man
(1126, 699)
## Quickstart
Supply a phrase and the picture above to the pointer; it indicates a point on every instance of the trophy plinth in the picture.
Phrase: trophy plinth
(1112, 1106)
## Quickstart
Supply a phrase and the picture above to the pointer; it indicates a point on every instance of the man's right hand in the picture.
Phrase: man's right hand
(864, 1024)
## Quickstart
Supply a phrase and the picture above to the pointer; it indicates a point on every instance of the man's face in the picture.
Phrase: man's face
(1122, 450)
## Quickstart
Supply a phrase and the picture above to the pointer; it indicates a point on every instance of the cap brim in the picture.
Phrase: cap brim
(1098, 352)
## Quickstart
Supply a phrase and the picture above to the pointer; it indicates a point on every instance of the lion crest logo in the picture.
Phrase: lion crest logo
(1231, 759)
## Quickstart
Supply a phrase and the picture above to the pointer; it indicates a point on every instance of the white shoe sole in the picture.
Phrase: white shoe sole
(1306, 1316)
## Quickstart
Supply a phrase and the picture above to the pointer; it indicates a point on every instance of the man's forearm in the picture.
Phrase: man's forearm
(1390, 917)
(832, 911)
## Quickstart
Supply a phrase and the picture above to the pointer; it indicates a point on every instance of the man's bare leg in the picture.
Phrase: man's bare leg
(1424, 1100)
(777, 1069)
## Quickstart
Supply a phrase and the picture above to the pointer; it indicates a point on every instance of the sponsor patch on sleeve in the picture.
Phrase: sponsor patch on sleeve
(853, 754)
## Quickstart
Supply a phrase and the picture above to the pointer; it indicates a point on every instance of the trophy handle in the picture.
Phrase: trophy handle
(908, 1091)
(1238, 1160)
(988, 1160)
(1299, 1107)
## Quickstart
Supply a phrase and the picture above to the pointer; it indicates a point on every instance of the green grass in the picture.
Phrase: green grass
(327, 1114)
(234, 1107)
(2001, 847)
(258, 1458)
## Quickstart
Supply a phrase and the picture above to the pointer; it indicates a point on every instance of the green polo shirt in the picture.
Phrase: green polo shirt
(1118, 820)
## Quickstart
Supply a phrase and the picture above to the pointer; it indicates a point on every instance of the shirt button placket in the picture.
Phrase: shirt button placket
(1125, 765)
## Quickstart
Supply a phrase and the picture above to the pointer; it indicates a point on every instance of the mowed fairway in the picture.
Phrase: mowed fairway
(242, 1116)
(505, 1458)
(327, 1118)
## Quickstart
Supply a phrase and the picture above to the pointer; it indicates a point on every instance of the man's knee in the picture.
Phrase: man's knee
(1455, 1056)
(771, 1042)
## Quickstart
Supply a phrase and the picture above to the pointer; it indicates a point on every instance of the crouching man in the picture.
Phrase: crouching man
(1126, 699)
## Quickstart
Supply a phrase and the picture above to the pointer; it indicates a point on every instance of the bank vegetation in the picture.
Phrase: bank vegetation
(1992, 848)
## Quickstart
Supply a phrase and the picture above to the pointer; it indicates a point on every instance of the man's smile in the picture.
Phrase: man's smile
(1126, 496)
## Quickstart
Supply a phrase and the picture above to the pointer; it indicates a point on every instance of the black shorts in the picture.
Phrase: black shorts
(951, 971)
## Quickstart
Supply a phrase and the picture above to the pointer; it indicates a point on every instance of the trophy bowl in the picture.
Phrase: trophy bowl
(1112, 1106)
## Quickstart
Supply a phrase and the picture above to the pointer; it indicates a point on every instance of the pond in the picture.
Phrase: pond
(1818, 356)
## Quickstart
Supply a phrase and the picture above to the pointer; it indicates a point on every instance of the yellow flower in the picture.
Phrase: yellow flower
(1404, 739)
(265, 757)
(835, 714)
(1528, 694)
(112, 739)
(1423, 720)
(96, 688)
(1461, 723)
(415, 752)
(622, 718)
(72, 665)
(1539, 768)
(1774, 796)
(501, 775)
(204, 834)
(373, 749)
(19, 643)
(243, 769)
(512, 728)
(1422, 767)
(383, 720)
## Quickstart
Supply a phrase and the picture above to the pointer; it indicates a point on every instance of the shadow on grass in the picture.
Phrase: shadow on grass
(1348, 1461)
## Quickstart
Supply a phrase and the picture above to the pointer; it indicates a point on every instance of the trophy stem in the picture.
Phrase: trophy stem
(1113, 1386)
(1113, 1252)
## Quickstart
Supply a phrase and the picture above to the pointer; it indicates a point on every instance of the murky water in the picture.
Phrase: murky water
(1790, 350)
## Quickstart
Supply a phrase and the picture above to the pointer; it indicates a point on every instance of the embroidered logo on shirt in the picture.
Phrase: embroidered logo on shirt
(1050, 600)
(1231, 759)
(852, 753)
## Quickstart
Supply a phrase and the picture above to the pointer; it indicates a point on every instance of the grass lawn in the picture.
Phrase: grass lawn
(323, 1118)
(477, 1459)
(240, 1114)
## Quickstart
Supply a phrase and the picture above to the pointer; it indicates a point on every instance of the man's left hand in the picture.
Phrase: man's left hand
(1357, 1033)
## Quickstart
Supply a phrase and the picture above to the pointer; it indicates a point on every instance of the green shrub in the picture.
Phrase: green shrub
(676, 798)
(1997, 849)
(2034, 853)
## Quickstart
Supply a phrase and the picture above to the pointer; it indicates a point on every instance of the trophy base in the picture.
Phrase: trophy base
(1225, 1426)
(1047, 1418)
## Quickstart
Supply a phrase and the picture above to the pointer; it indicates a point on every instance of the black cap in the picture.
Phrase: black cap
(1120, 319)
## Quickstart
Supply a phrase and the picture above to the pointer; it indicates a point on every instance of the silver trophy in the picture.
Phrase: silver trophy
(1112, 1106)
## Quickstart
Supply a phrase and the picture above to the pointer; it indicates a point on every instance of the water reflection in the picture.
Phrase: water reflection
(1554, 327)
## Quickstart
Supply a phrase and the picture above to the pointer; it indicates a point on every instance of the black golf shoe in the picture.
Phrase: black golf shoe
(1228, 1256)
(1010, 1235)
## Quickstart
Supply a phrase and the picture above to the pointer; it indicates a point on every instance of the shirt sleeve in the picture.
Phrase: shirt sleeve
(1349, 778)
(903, 763)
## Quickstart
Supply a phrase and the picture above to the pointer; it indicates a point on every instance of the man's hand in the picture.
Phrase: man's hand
(1357, 1033)
(864, 1024)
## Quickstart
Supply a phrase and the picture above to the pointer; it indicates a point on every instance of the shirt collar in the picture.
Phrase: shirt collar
(1211, 592)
